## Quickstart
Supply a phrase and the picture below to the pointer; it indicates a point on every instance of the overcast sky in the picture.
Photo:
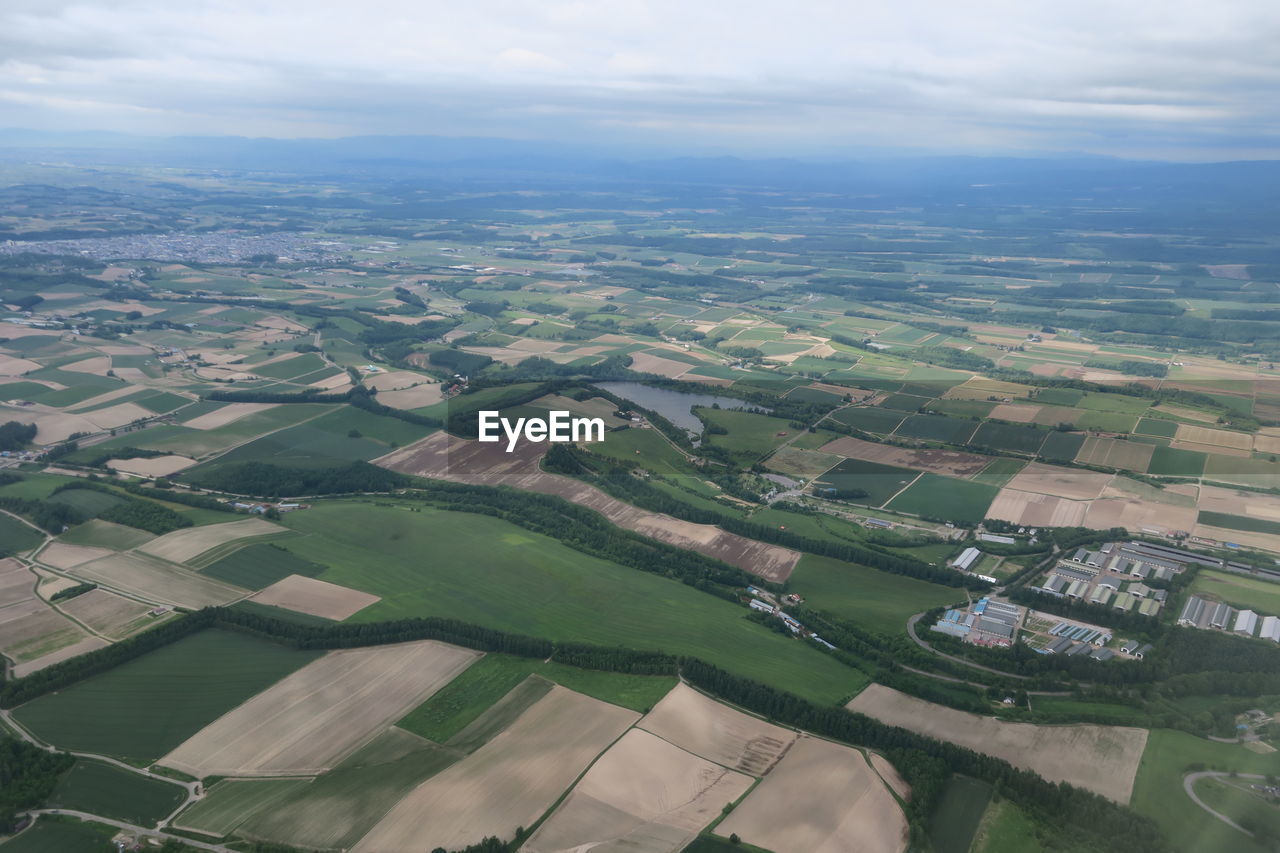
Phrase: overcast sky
(1141, 78)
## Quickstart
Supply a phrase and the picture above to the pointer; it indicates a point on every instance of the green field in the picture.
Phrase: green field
(958, 813)
(962, 408)
(87, 501)
(62, 835)
(749, 435)
(1175, 462)
(999, 471)
(1233, 799)
(945, 498)
(880, 482)
(1249, 470)
(17, 536)
(341, 806)
(1006, 829)
(109, 791)
(106, 534)
(937, 428)
(1156, 426)
(646, 447)
(142, 709)
(1107, 421)
(1239, 590)
(288, 368)
(230, 802)
(1058, 396)
(486, 571)
(460, 702)
(1157, 790)
(260, 565)
(195, 442)
(904, 402)
(1239, 522)
(1019, 438)
(1061, 446)
(874, 600)
(869, 418)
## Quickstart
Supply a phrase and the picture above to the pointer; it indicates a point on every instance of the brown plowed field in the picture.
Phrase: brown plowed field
(446, 457)
(953, 463)
(717, 732)
(1036, 510)
(317, 597)
(1071, 483)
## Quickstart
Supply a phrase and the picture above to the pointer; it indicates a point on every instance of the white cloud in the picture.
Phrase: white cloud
(1136, 77)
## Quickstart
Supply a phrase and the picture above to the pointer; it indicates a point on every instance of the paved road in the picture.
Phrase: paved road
(1189, 785)
(140, 830)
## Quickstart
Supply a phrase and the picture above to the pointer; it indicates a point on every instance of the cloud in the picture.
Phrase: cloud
(1171, 78)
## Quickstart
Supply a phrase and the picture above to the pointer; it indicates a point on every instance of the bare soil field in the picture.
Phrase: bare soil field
(1014, 413)
(717, 732)
(98, 364)
(60, 555)
(1238, 502)
(1102, 759)
(16, 582)
(643, 796)
(184, 545)
(1266, 443)
(1209, 448)
(950, 462)
(1036, 510)
(52, 584)
(446, 457)
(51, 426)
(1262, 541)
(507, 783)
(107, 613)
(157, 466)
(227, 414)
(1181, 412)
(319, 598)
(1135, 514)
(412, 398)
(153, 579)
(1070, 483)
(31, 629)
(14, 366)
(821, 798)
(890, 775)
(312, 719)
(118, 415)
(1115, 453)
(645, 362)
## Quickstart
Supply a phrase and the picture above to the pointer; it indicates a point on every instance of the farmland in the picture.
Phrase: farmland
(704, 727)
(106, 790)
(878, 482)
(935, 496)
(140, 710)
(874, 600)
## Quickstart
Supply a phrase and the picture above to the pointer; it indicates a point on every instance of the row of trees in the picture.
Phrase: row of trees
(276, 481)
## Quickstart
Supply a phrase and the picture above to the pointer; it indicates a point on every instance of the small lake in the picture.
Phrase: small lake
(672, 405)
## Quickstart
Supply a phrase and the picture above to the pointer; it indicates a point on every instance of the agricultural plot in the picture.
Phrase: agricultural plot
(224, 415)
(936, 428)
(508, 783)
(33, 634)
(110, 791)
(230, 802)
(1012, 437)
(258, 566)
(158, 466)
(106, 534)
(1256, 471)
(1102, 759)
(716, 732)
(1115, 453)
(803, 464)
(51, 835)
(17, 537)
(339, 807)
(878, 482)
(184, 546)
(1117, 422)
(959, 811)
(1070, 483)
(821, 798)
(962, 408)
(1175, 462)
(153, 579)
(643, 795)
(869, 418)
(107, 613)
(999, 471)
(1238, 590)
(1156, 426)
(309, 721)
(954, 463)
(142, 709)
(86, 501)
(1214, 437)
(316, 597)
(934, 496)
(1031, 509)
(748, 434)
(904, 402)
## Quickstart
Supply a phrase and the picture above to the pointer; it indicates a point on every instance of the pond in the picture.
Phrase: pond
(672, 405)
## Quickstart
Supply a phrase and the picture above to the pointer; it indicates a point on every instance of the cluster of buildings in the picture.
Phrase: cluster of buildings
(1202, 613)
(215, 247)
(764, 602)
(988, 622)
(968, 560)
(1116, 575)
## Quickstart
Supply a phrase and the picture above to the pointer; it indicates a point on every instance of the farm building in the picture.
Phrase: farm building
(1149, 607)
(1102, 654)
(1270, 629)
(1246, 623)
(1141, 651)
(1128, 646)
(1124, 602)
(1054, 584)
(1101, 594)
(757, 604)
(998, 540)
(1139, 590)
(967, 558)
(1192, 611)
(1221, 616)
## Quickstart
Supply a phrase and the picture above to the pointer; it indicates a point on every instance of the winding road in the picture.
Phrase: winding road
(1189, 785)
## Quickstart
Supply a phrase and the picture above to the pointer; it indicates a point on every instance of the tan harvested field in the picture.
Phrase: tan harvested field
(79, 647)
(107, 613)
(805, 464)
(98, 364)
(979, 388)
(1102, 759)
(645, 362)
(32, 629)
(446, 457)
(60, 555)
(52, 584)
(412, 398)
(183, 545)
(1115, 453)
(1135, 514)
(507, 783)
(17, 583)
(122, 391)
(821, 798)
(1263, 541)
(1071, 483)
(1181, 412)
(1209, 448)
(890, 775)
(1015, 413)
(157, 466)
(643, 796)
(396, 380)
(51, 426)
(1266, 443)
(312, 719)
(153, 579)
(227, 414)
(319, 598)
(1239, 502)
(717, 732)
(950, 462)
(118, 415)
(338, 380)
(1036, 510)
(14, 366)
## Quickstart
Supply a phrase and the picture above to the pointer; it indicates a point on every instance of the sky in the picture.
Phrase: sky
(1162, 79)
